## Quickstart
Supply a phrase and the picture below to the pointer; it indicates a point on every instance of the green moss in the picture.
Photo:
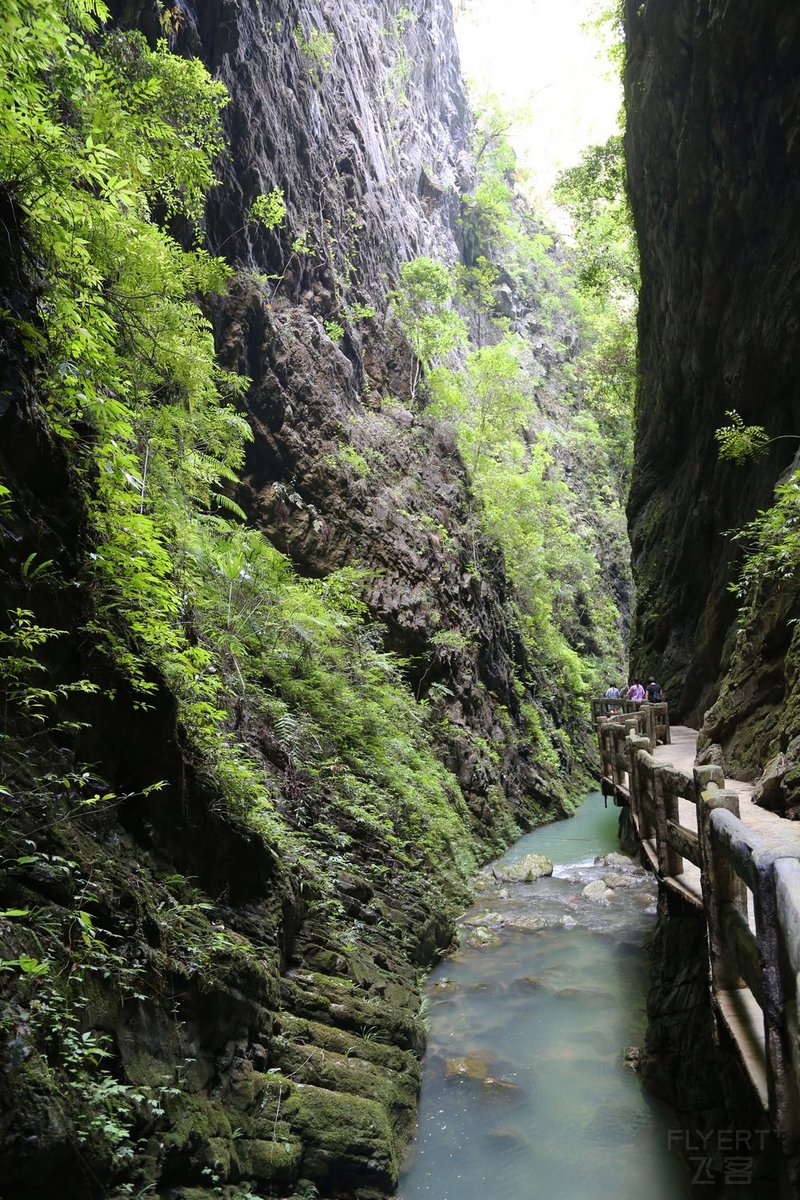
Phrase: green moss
(395, 1091)
(269, 1161)
(346, 1043)
(197, 1119)
(345, 1136)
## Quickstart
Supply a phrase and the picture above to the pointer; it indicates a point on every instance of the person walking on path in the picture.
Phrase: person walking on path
(612, 693)
(637, 692)
(654, 691)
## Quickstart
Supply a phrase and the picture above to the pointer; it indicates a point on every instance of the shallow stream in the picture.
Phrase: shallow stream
(526, 1092)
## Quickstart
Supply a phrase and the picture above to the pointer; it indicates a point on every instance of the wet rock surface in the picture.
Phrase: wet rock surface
(527, 869)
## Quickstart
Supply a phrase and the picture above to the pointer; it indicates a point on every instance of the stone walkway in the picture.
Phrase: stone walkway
(775, 830)
(682, 754)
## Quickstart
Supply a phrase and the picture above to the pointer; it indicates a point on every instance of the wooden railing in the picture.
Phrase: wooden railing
(655, 716)
(747, 882)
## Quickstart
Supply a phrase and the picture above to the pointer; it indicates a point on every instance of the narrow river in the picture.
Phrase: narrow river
(526, 1093)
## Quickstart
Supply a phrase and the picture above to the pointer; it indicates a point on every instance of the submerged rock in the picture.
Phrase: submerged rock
(470, 1066)
(526, 983)
(485, 918)
(525, 870)
(503, 1089)
(483, 938)
(521, 920)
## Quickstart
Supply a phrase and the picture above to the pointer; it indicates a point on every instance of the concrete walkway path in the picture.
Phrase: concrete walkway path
(681, 754)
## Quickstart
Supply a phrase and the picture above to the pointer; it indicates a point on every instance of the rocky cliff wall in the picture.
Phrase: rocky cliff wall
(713, 156)
(369, 146)
(221, 1013)
(713, 153)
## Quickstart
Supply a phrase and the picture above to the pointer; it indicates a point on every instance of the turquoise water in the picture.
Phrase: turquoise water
(525, 1092)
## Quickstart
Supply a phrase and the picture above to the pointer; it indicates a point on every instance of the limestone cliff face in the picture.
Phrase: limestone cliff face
(290, 1067)
(369, 145)
(367, 139)
(713, 151)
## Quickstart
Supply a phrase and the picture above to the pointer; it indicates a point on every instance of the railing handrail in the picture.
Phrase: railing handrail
(734, 862)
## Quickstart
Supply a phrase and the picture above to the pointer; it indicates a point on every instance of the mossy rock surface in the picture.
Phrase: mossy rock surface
(347, 1138)
(268, 1160)
(525, 870)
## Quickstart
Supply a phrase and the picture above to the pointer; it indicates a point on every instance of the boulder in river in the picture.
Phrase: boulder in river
(615, 859)
(632, 1057)
(470, 1066)
(615, 879)
(597, 890)
(524, 870)
(522, 920)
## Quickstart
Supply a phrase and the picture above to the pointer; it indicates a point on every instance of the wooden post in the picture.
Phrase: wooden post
(703, 776)
(606, 755)
(787, 894)
(662, 846)
(673, 863)
(720, 883)
(618, 760)
(634, 743)
(647, 794)
(782, 1088)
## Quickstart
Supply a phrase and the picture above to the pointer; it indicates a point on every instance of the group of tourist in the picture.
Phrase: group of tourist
(653, 691)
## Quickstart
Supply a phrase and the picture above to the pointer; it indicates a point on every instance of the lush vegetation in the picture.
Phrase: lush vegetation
(300, 727)
(607, 281)
(772, 539)
(290, 709)
(545, 433)
(104, 138)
